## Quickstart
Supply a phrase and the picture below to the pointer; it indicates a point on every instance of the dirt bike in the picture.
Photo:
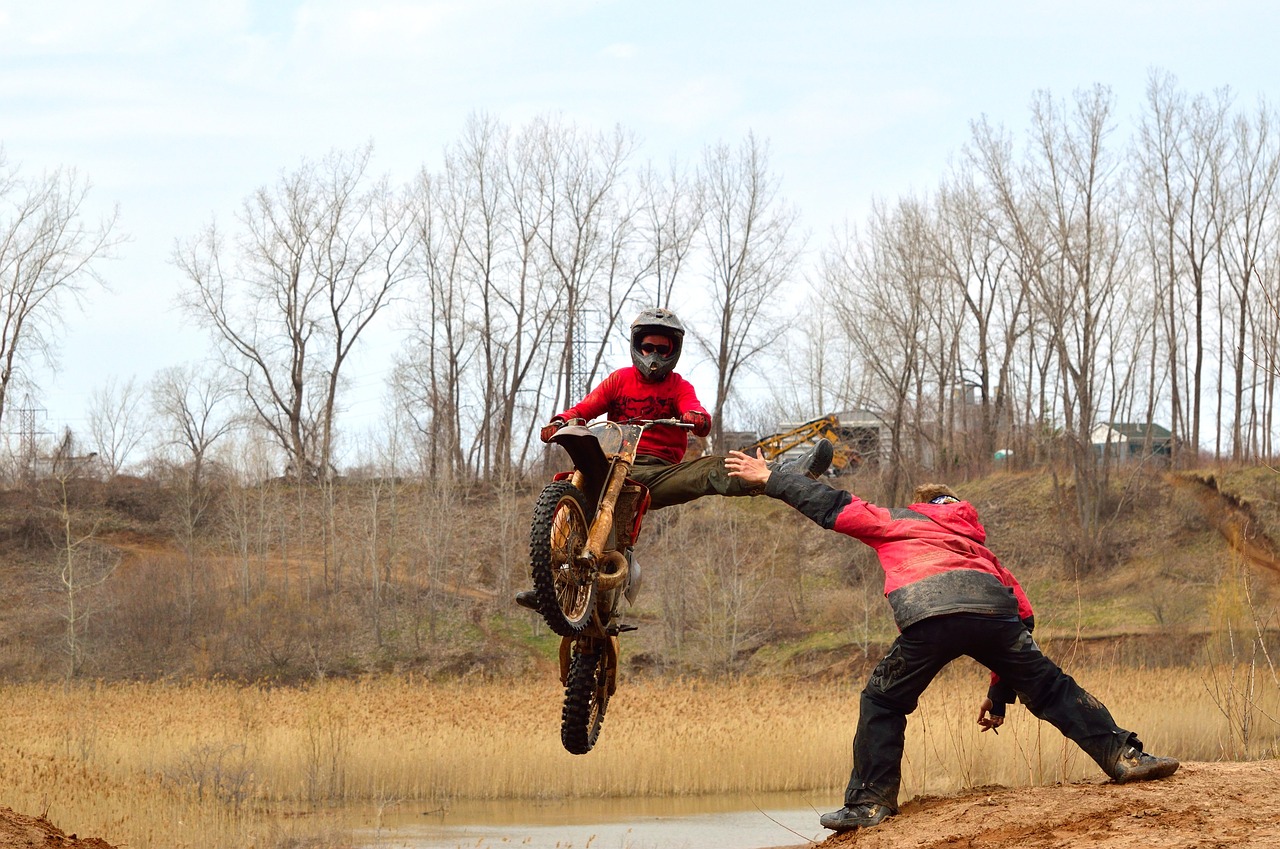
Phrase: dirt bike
(585, 525)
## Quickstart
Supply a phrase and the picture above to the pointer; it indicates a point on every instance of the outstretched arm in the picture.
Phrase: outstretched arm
(814, 499)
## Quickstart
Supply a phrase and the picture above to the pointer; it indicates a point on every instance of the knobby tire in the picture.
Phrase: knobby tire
(566, 593)
(586, 697)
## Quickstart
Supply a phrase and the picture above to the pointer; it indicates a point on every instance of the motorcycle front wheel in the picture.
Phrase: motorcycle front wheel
(566, 591)
(586, 697)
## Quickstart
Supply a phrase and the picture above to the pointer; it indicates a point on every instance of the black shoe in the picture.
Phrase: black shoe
(812, 463)
(1134, 764)
(527, 598)
(861, 815)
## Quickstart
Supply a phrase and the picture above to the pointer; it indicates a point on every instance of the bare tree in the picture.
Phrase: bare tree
(505, 242)
(1074, 222)
(972, 257)
(531, 254)
(878, 296)
(1252, 179)
(47, 256)
(431, 371)
(83, 563)
(672, 211)
(753, 250)
(192, 406)
(1180, 149)
(588, 229)
(116, 423)
(319, 256)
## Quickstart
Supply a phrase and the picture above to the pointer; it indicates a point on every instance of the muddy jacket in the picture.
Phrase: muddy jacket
(933, 555)
(625, 395)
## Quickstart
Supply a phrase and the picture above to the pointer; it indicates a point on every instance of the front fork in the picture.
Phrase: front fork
(612, 564)
(608, 644)
(614, 569)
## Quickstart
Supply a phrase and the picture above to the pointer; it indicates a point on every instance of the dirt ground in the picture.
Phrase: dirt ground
(19, 831)
(1202, 806)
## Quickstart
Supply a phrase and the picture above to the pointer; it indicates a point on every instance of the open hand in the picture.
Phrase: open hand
(753, 470)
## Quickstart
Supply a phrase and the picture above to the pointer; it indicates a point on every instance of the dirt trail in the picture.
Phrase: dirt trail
(1203, 806)
(1234, 519)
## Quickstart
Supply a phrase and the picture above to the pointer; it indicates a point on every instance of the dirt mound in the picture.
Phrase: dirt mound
(19, 831)
(1204, 805)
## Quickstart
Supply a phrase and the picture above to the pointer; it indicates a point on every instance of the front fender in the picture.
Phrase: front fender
(588, 457)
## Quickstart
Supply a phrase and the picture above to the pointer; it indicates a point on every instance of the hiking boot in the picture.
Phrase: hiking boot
(1133, 764)
(812, 464)
(527, 598)
(861, 815)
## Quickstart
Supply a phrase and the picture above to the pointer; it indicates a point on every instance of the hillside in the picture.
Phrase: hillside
(272, 582)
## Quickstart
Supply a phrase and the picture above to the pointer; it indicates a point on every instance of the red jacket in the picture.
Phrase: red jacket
(933, 556)
(922, 543)
(626, 395)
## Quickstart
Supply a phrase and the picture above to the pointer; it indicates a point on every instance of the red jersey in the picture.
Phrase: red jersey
(625, 395)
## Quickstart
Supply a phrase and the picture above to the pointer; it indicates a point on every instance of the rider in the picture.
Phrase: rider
(650, 389)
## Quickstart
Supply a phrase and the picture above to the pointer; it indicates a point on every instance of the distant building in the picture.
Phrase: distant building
(866, 433)
(1131, 440)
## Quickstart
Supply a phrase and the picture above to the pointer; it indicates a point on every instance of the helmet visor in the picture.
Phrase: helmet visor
(662, 349)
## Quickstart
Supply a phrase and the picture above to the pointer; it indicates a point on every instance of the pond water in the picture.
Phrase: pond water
(734, 822)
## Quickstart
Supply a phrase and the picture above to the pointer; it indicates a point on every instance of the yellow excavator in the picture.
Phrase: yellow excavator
(846, 458)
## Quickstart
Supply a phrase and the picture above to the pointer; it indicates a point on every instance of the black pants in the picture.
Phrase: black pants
(1004, 646)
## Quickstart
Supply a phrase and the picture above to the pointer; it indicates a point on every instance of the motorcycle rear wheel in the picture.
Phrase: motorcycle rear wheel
(566, 592)
(586, 697)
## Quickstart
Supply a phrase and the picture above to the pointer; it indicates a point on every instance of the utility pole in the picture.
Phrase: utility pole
(576, 372)
(28, 438)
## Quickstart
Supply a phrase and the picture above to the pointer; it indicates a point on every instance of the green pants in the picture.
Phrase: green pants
(676, 483)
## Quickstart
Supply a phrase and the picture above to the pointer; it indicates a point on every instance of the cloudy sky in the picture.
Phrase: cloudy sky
(178, 110)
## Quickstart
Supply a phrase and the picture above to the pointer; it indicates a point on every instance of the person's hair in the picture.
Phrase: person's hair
(926, 492)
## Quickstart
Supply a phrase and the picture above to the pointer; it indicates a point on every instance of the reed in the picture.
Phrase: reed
(151, 765)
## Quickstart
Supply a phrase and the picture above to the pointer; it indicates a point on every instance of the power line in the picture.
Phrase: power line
(28, 434)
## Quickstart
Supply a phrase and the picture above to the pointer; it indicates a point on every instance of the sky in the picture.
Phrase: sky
(177, 111)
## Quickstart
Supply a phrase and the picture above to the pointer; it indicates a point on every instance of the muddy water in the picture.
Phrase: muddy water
(737, 822)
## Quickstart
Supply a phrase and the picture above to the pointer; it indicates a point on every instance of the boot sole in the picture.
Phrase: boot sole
(1148, 774)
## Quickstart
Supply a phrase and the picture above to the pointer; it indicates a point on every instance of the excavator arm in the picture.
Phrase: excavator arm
(776, 444)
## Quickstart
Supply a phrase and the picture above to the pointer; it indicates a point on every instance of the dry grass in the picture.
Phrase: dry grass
(217, 765)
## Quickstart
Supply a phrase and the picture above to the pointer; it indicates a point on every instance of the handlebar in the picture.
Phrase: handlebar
(680, 423)
(670, 422)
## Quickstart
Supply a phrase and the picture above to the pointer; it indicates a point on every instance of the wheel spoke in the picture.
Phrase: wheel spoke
(557, 536)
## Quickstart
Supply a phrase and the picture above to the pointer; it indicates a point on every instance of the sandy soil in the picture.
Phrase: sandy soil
(1202, 806)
